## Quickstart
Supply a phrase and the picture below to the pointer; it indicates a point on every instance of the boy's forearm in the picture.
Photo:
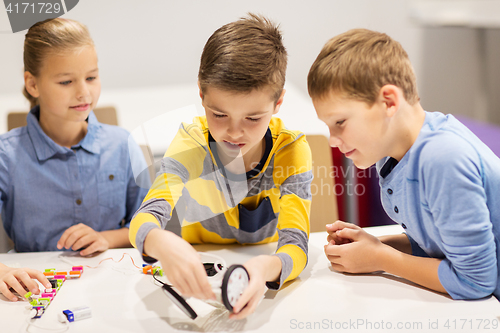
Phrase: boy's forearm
(117, 238)
(271, 265)
(423, 271)
(155, 237)
(399, 242)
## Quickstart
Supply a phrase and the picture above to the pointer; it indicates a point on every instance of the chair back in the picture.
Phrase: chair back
(324, 201)
(105, 115)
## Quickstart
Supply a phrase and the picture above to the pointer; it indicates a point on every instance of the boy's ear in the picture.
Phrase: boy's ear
(279, 102)
(31, 84)
(390, 95)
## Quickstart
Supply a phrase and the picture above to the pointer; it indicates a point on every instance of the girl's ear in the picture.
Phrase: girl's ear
(199, 87)
(31, 84)
(390, 95)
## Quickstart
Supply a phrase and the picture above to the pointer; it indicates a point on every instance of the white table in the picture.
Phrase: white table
(124, 300)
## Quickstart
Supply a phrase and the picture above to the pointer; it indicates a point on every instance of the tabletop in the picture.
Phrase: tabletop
(123, 299)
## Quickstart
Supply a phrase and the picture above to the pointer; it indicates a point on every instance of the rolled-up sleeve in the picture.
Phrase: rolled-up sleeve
(295, 207)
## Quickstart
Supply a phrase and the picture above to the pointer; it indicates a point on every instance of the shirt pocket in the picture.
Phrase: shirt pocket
(253, 220)
(111, 188)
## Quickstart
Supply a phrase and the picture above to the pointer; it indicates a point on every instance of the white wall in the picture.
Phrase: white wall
(157, 42)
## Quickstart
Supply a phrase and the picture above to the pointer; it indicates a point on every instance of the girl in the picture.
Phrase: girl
(66, 181)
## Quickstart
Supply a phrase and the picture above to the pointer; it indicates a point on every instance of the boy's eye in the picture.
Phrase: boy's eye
(91, 78)
(340, 122)
(253, 119)
(64, 83)
(218, 115)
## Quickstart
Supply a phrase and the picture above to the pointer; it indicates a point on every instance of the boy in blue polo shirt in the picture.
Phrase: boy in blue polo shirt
(437, 179)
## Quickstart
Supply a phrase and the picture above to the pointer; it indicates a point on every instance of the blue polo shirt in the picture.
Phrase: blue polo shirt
(445, 192)
(46, 188)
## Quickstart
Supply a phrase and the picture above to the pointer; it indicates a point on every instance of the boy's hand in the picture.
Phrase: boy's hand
(181, 263)
(333, 236)
(21, 280)
(252, 295)
(82, 236)
(361, 254)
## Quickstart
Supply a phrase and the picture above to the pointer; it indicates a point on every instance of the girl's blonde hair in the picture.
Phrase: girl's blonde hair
(49, 37)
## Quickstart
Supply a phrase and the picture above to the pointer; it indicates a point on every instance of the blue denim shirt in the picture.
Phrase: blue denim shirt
(445, 192)
(46, 188)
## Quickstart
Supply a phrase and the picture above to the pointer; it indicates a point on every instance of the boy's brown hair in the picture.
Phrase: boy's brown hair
(358, 63)
(244, 55)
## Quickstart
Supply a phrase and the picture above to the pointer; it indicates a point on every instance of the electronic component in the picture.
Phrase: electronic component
(150, 269)
(78, 313)
(179, 301)
(211, 269)
(234, 284)
(56, 279)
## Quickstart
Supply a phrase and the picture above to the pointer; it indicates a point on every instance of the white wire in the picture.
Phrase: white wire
(215, 281)
(55, 330)
(125, 271)
(64, 260)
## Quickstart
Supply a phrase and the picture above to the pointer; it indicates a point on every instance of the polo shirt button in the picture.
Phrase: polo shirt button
(403, 225)
(78, 202)
(111, 177)
(389, 191)
(396, 209)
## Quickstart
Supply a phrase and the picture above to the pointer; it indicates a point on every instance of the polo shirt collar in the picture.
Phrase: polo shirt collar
(46, 148)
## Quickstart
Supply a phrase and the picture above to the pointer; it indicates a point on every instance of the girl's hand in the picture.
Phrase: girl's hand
(359, 251)
(252, 295)
(83, 237)
(21, 280)
(181, 263)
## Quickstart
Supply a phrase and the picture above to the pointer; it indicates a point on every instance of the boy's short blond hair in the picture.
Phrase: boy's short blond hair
(358, 63)
(244, 55)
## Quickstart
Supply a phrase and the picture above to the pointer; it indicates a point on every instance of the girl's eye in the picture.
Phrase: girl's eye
(340, 122)
(65, 83)
(253, 119)
(218, 115)
(91, 78)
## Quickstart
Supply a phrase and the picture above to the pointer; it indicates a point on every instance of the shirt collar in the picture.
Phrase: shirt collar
(46, 148)
(250, 174)
(90, 142)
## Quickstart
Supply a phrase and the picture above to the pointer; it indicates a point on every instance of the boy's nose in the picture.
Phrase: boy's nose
(334, 141)
(234, 130)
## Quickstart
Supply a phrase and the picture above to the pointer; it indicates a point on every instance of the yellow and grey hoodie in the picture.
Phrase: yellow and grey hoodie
(214, 205)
